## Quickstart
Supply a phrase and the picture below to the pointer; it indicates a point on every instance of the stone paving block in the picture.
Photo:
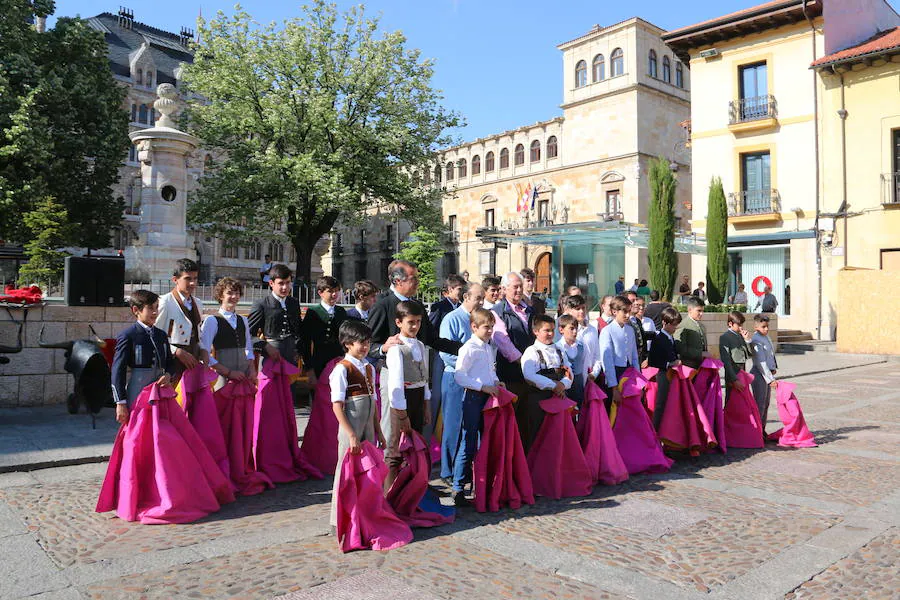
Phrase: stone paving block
(9, 390)
(11, 480)
(31, 390)
(369, 585)
(789, 466)
(10, 523)
(55, 388)
(653, 519)
(26, 569)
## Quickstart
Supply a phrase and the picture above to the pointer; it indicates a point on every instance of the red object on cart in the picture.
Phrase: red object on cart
(31, 294)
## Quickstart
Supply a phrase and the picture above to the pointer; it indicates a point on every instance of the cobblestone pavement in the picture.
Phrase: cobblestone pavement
(776, 523)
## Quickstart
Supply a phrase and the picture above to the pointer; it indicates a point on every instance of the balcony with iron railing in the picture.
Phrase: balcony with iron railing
(753, 112)
(890, 189)
(754, 206)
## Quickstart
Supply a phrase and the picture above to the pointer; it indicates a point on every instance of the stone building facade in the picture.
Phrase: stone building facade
(141, 57)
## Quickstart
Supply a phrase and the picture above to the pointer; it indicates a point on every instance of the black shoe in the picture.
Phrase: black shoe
(460, 500)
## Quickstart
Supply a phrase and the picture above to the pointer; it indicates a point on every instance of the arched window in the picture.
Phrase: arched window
(581, 74)
(461, 166)
(150, 79)
(504, 158)
(152, 116)
(679, 75)
(449, 171)
(616, 63)
(534, 153)
(552, 147)
(140, 77)
(651, 65)
(476, 165)
(437, 174)
(427, 177)
(598, 68)
(519, 158)
(489, 162)
(667, 70)
(134, 113)
(276, 251)
(142, 114)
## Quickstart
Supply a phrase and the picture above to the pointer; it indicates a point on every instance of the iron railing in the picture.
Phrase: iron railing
(754, 202)
(890, 188)
(753, 108)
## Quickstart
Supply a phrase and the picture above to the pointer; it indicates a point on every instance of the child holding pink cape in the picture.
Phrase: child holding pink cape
(160, 471)
(684, 426)
(225, 337)
(597, 439)
(411, 485)
(635, 437)
(319, 448)
(556, 461)
(743, 428)
(795, 433)
(709, 392)
(352, 383)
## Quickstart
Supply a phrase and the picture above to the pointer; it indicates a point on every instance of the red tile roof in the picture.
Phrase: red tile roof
(753, 9)
(877, 44)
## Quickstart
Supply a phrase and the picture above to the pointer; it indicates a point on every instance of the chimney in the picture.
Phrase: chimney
(126, 18)
(186, 36)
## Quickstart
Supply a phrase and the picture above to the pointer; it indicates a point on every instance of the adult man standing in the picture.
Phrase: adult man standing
(740, 296)
(514, 319)
(768, 301)
(452, 294)
(684, 290)
(655, 308)
(264, 270)
(404, 278)
(690, 337)
(620, 285)
(700, 292)
(457, 327)
(538, 306)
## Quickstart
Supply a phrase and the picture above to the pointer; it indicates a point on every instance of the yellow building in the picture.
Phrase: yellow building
(760, 121)
(585, 173)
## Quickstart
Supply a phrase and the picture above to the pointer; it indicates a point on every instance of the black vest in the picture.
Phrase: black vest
(226, 337)
(279, 323)
(521, 337)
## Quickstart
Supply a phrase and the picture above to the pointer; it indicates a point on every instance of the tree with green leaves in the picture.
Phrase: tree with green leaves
(49, 226)
(661, 253)
(423, 249)
(716, 243)
(314, 120)
(63, 128)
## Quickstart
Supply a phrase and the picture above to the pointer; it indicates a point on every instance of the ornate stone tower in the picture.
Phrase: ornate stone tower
(163, 152)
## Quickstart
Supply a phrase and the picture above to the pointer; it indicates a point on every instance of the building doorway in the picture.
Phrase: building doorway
(542, 273)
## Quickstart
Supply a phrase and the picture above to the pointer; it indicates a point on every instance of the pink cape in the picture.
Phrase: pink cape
(709, 392)
(411, 484)
(160, 470)
(684, 425)
(597, 440)
(649, 374)
(200, 407)
(319, 447)
(795, 433)
(275, 426)
(743, 429)
(234, 402)
(364, 517)
(500, 471)
(557, 464)
(635, 436)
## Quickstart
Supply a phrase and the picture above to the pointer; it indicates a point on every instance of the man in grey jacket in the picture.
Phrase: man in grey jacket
(764, 367)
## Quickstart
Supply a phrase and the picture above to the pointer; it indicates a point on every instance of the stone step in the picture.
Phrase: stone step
(794, 337)
(802, 347)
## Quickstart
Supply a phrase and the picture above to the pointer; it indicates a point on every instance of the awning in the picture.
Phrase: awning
(602, 233)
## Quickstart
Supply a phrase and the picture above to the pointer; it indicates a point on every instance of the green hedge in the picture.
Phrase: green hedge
(715, 308)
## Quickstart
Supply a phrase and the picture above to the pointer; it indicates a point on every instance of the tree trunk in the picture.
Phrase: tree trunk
(304, 248)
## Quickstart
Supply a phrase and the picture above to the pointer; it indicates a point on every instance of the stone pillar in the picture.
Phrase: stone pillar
(163, 152)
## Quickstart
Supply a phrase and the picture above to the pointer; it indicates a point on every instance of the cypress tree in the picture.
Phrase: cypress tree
(716, 243)
(661, 254)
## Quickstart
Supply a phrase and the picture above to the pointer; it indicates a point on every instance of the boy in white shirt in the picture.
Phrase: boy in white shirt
(576, 353)
(547, 370)
(407, 385)
(587, 333)
(475, 372)
(353, 398)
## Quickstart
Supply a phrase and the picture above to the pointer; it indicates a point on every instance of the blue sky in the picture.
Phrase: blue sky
(497, 62)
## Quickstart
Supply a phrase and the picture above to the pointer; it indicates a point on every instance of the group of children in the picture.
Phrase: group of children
(624, 384)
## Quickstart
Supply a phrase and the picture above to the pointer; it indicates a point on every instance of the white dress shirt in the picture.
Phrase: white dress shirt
(399, 295)
(362, 313)
(590, 337)
(617, 349)
(280, 300)
(210, 328)
(488, 305)
(476, 365)
(396, 384)
(531, 364)
(338, 378)
(329, 308)
(188, 302)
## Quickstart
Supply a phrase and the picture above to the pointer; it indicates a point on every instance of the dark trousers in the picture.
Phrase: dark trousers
(662, 395)
(472, 426)
(601, 381)
(532, 416)
(415, 412)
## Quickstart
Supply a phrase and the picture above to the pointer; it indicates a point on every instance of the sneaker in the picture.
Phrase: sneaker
(460, 500)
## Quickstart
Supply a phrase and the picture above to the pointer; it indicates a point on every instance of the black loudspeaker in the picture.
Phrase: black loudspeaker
(95, 281)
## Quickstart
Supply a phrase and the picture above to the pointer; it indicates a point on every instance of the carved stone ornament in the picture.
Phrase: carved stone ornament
(166, 104)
